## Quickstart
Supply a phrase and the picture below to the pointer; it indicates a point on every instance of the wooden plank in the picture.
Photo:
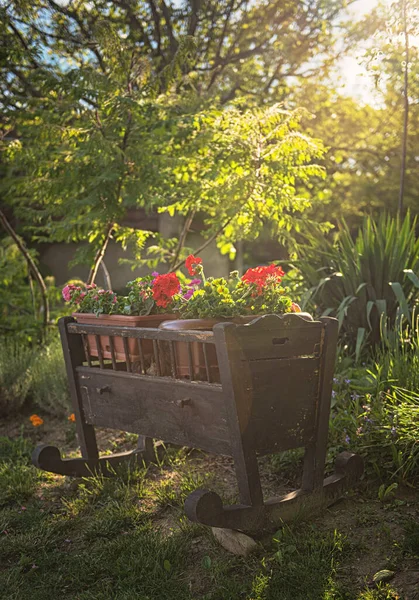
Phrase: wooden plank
(207, 367)
(113, 357)
(73, 356)
(99, 351)
(185, 413)
(315, 456)
(126, 352)
(190, 362)
(141, 353)
(86, 350)
(279, 337)
(205, 337)
(236, 383)
(284, 401)
(172, 351)
(157, 358)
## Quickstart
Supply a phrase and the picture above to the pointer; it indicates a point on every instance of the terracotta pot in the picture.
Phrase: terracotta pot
(197, 350)
(121, 321)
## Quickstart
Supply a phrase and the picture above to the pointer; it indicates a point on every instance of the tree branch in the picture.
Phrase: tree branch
(205, 244)
(32, 266)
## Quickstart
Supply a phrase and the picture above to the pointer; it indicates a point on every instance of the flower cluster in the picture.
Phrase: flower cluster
(191, 263)
(90, 298)
(258, 292)
(261, 276)
(165, 287)
(36, 420)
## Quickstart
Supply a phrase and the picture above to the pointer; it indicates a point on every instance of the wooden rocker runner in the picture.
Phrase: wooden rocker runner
(276, 382)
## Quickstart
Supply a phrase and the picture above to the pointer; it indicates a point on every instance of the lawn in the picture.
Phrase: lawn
(127, 537)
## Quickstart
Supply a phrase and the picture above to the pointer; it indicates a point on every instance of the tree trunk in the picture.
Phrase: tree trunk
(32, 266)
(106, 276)
(406, 110)
(99, 255)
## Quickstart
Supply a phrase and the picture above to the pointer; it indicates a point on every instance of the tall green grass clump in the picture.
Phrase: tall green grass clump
(15, 375)
(376, 408)
(49, 385)
(364, 278)
(32, 374)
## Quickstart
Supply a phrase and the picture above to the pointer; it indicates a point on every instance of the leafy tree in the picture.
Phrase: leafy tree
(364, 142)
(118, 122)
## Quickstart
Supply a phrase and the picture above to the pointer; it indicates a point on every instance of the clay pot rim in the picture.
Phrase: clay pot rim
(168, 316)
(205, 323)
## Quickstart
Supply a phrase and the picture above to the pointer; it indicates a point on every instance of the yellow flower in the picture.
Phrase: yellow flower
(72, 418)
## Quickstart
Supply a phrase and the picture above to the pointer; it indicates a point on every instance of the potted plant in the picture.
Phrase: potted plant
(149, 302)
(214, 300)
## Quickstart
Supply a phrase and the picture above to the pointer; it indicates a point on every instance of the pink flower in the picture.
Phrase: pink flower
(114, 301)
(66, 293)
(188, 294)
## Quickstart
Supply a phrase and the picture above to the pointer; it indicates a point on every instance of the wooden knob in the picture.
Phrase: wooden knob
(102, 390)
(183, 402)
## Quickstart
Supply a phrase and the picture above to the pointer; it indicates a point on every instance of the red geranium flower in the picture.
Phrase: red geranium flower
(191, 263)
(164, 288)
(260, 275)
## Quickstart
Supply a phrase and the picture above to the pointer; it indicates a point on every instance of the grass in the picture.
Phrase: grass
(127, 537)
(33, 374)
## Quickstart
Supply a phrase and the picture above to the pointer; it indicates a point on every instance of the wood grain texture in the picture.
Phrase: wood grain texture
(73, 352)
(156, 407)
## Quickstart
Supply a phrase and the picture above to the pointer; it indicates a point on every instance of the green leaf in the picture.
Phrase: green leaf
(383, 575)
(360, 336)
(167, 565)
(401, 298)
(412, 276)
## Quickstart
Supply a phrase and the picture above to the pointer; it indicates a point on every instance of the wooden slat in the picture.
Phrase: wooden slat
(190, 362)
(126, 352)
(157, 357)
(281, 343)
(141, 353)
(86, 349)
(99, 351)
(112, 347)
(181, 412)
(204, 337)
(172, 351)
(73, 358)
(207, 368)
(315, 456)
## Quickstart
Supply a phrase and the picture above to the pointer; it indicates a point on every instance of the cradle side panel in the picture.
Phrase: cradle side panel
(185, 413)
(283, 412)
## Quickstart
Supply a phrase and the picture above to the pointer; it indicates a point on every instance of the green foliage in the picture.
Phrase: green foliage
(49, 385)
(15, 376)
(250, 295)
(242, 170)
(363, 280)
(29, 373)
(20, 305)
(381, 426)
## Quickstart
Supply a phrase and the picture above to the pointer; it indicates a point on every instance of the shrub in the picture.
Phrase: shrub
(49, 385)
(15, 377)
(381, 426)
(360, 280)
(33, 373)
